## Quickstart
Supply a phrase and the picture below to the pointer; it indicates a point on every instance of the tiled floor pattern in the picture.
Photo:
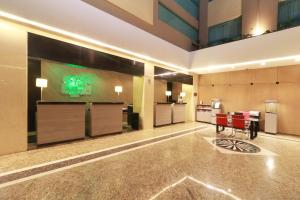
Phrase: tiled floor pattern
(56, 152)
(34, 170)
(145, 172)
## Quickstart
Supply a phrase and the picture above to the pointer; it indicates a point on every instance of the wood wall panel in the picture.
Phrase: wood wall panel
(241, 77)
(237, 94)
(241, 96)
(160, 88)
(289, 110)
(289, 74)
(205, 79)
(102, 86)
(176, 89)
(264, 75)
(220, 78)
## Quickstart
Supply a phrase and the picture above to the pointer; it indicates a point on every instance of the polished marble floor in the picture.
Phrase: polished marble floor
(184, 165)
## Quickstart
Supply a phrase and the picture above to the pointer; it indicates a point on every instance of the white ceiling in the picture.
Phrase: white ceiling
(77, 17)
(275, 49)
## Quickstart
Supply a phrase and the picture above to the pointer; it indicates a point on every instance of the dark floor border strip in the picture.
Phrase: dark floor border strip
(45, 168)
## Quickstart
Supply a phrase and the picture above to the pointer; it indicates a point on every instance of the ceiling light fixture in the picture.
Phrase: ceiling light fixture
(243, 64)
(263, 63)
(166, 74)
(87, 39)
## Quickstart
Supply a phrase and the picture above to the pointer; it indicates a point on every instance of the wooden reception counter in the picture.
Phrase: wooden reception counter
(162, 114)
(105, 118)
(178, 112)
(60, 121)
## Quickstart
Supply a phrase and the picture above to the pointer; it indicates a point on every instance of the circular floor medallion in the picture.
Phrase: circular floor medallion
(236, 145)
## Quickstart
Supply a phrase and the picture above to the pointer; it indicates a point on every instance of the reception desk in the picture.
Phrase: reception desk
(162, 114)
(60, 121)
(105, 118)
(178, 112)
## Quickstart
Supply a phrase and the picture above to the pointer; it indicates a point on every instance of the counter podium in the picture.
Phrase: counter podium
(105, 118)
(178, 112)
(162, 114)
(60, 121)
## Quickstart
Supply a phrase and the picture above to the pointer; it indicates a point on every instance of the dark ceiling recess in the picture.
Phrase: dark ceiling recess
(172, 76)
(46, 48)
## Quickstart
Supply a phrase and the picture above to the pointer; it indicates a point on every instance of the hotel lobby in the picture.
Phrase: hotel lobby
(150, 99)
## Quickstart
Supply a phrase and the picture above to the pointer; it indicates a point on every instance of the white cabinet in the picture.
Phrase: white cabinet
(271, 123)
(204, 116)
(214, 113)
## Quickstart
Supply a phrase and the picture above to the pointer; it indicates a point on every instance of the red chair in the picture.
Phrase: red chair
(239, 123)
(221, 121)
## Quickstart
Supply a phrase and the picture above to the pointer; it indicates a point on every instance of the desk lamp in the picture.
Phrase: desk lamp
(42, 83)
(168, 94)
(118, 89)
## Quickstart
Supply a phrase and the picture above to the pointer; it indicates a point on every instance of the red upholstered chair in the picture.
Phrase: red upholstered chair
(239, 123)
(222, 121)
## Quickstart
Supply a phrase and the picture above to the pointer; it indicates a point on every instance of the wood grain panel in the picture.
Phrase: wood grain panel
(220, 78)
(163, 114)
(205, 79)
(264, 75)
(60, 122)
(160, 88)
(241, 77)
(240, 95)
(106, 119)
(178, 113)
(103, 83)
(289, 110)
(289, 74)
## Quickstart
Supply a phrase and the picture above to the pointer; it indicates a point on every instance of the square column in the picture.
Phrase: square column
(143, 96)
(13, 87)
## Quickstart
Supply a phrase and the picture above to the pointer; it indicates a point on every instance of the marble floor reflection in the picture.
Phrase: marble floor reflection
(181, 167)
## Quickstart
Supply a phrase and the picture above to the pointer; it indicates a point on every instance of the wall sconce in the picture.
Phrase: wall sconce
(168, 94)
(41, 83)
(118, 89)
(258, 30)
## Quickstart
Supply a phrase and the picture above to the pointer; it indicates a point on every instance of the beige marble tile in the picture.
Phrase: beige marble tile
(65, 150)
(142, 173)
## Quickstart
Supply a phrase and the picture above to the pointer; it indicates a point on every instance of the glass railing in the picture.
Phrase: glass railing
(288, 14)
(225, 32)
(191, 6)
(176, 22)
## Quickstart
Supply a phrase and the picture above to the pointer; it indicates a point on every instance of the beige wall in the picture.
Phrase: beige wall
(259, 15)
(103, 83)
(189, 112)
(142, 9)
(147, 108)
(220, 11)
(236, 93)
(13, 87)
(138, 83)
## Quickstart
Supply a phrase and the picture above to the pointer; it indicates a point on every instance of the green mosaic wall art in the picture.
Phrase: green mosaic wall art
(78, 85)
